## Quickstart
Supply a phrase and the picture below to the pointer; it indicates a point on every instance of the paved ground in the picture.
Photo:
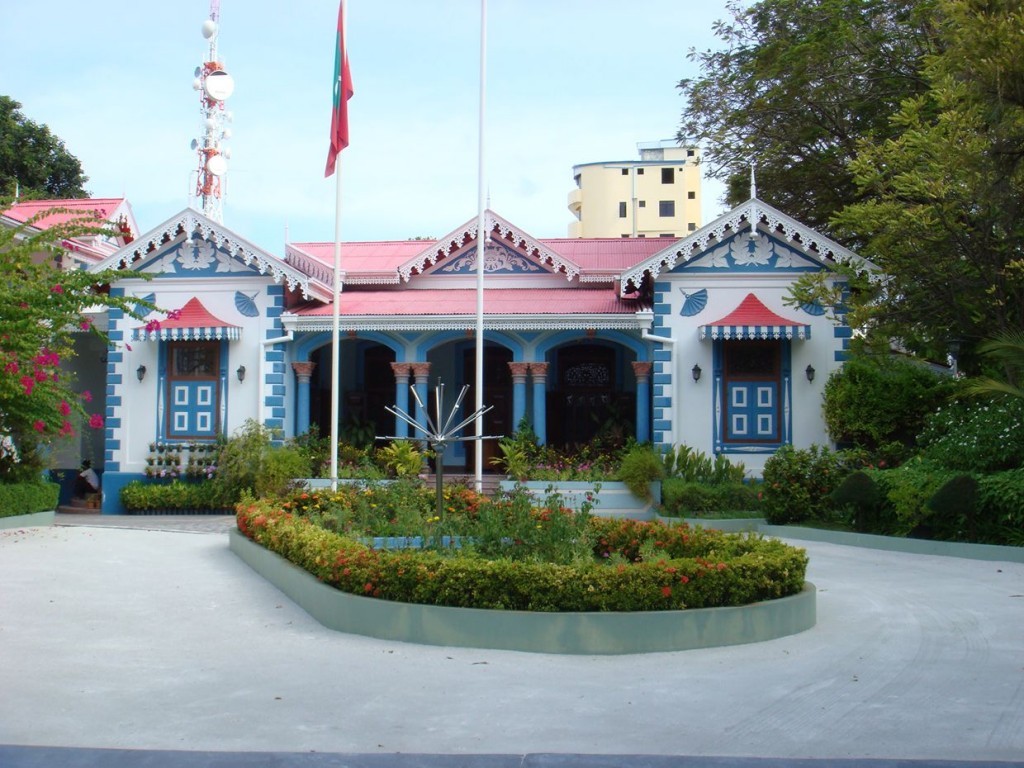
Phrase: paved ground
(132, 634)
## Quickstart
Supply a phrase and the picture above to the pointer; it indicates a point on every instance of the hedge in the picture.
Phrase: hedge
(28, 498)
(140, 496)
(694, 568)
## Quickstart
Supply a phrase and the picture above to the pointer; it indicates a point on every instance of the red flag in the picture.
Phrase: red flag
(342, 93)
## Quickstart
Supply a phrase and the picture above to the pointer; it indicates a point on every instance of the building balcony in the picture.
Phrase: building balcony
(576, 202)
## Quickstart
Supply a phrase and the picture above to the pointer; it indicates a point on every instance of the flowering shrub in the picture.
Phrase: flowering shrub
(976, 435)
(798, 483)
(41, 310)
(681, 568)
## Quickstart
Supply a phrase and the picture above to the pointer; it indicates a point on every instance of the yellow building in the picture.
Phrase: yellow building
(655, 196)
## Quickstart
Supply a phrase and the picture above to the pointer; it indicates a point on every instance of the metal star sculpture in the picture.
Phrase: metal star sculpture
(439, 434)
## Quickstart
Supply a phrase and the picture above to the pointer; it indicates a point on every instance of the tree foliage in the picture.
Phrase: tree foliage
(942, 212)
(34, 159)
(41, 308)
(794, 86)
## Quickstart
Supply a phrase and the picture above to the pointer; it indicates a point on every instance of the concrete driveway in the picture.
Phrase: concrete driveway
(161, 639)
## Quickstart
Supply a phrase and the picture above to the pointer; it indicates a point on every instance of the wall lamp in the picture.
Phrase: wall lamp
(240, 373)
(696, 372)
(810, 372)
(140, 372)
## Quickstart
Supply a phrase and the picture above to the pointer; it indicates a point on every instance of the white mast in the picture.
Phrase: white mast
(215, 85)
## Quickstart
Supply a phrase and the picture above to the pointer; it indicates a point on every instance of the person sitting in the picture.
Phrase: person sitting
(88, 481)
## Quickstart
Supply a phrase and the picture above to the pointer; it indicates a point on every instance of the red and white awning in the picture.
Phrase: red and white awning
(753, 320)
(193, 322)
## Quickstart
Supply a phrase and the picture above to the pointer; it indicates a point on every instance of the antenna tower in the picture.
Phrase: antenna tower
(214, 85)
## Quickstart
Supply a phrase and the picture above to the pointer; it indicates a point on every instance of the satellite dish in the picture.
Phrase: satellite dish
(219, 85)
(199, 71)
(209, 28)
(195, 144)
(217, 165)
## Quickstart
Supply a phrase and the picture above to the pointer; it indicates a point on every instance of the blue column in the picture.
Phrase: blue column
(642, 371)
(422, 373)
(401, 396)
(519, 371)
(540, 410)
(303, 374)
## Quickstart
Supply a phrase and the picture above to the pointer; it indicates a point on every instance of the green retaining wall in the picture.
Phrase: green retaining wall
(33, 520)
(569, 633)
(898, 544)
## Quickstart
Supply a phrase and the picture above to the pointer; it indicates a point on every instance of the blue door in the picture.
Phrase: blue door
(193, 390)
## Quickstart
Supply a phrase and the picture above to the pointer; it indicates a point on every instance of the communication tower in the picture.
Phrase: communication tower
(214, 85)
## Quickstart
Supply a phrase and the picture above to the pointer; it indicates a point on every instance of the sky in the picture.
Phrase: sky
(568, 82)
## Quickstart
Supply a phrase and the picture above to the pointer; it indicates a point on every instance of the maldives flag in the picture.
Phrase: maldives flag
(342, 93)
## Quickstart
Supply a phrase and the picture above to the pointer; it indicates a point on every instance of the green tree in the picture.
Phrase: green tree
(942, 212)
(795, 85)
(40, 310)
(1007, 353)
(34, 159)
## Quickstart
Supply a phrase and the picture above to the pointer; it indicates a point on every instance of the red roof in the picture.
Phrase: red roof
(98, 209)
(604, 254)
(192, 322)
(752, 311)
(382, 256)
(503, 301)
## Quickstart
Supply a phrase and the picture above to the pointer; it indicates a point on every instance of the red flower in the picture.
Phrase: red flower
(666, 591)
(64, 408)
(11, 367)
(86, 324)
(66, 429)
(28, 383)
(684, 579)
(39, 425)
(96, 421)
(87, 396)
(368, 587)
(57, 289)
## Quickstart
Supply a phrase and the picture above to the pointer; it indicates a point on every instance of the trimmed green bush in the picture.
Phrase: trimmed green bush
(875, 400)
(206, 496)
(680, 568)
(859, 494)
(640, 467)
(680, 498)
(798, 483)
(28, 498)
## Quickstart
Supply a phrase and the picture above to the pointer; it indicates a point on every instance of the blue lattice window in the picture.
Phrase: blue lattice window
(193, 389)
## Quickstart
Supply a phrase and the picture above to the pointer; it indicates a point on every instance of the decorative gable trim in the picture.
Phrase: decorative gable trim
(817, 247)
(510, 236)
(192, 224)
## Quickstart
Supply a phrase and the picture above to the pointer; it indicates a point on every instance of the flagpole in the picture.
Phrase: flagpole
(336, 327)
(339, 140)
(481, 240)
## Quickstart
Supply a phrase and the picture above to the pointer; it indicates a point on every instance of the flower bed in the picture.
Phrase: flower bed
(633, 565)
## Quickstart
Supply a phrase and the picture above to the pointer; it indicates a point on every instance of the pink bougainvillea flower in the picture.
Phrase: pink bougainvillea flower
(41, 375)
(66, 429)
(87, 396)
(86, 324)
(39, 425)
(28, 383)
(152, 325)
(11, 367)
(174, 314)
(57, 289)
(64, 408)
(96, 421)
(128, 347)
